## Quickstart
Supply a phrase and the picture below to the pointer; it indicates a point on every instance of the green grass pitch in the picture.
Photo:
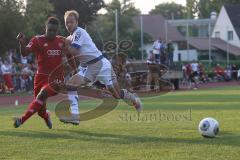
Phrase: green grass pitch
(166, 130)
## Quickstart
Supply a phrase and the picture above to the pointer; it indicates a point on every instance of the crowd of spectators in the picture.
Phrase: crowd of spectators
(16, 72)
(195, 73)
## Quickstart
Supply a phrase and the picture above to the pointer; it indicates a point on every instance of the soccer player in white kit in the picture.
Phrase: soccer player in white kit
(93, 66)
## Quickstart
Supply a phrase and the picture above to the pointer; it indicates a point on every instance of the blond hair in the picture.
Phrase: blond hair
(73, 13)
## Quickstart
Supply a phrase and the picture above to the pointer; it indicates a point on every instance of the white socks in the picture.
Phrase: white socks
(127, 95)
(73, 98)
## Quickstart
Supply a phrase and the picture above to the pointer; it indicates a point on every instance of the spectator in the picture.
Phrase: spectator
(27, 76)
(16, 73)
(9, 56)
(151, 58)
(23, 60)
(220, 73)
(7, 75)
(228, 71)
(202, 74)
(188, 72)
(185, 75)
(2, 86)
(194, 74)
(163, 56)
(234, 72)
(238, 74)
(17, 76)
(16, 57)
(156, 49)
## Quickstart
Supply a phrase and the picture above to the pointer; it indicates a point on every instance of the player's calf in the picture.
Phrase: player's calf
(47, 119)
(126, 96)
(74, 110)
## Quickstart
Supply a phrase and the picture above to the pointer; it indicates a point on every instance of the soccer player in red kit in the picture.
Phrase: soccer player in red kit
(48, 49)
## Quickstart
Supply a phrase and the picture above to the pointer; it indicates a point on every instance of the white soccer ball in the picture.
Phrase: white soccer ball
(208, 127)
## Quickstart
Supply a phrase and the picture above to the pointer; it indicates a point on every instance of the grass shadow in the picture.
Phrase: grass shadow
(225, 138)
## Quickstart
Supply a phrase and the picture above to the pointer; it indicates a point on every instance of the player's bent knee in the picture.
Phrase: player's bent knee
(71, 87)
(76, 80)
(43, 95)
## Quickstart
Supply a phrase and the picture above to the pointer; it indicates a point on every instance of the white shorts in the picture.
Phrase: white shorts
(155, 51)
(101, 71)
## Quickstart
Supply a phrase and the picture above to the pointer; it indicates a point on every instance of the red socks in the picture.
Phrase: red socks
(43, 112)
(34, 107)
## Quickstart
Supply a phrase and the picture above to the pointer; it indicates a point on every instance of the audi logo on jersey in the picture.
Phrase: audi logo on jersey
(54, 52)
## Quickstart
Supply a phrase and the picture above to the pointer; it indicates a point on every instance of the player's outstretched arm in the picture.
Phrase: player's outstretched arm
(70, 56)
(71, 61)
(22, 44)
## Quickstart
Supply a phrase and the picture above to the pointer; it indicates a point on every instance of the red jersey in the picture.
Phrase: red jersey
(48, 53)
(219, 70)
(188, 69)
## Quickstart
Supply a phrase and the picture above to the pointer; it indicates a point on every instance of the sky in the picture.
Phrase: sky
(146, 5)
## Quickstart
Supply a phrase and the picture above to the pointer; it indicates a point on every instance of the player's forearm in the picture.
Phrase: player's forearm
(71, 61)
(72, 51)
(22, 44)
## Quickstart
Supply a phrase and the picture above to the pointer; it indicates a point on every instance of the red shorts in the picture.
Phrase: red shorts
(42, 81)
(8, 80)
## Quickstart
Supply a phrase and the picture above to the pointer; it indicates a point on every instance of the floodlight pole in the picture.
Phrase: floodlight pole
(227, 52)
(210, 44)
(227, 47)
(141, 23)
(188, 56)
(166, 32)
(116, 25)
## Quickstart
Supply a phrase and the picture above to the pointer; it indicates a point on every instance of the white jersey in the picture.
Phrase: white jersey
(101, 70)
(87, 49)
(194, 67)
(157, 45)
(184, 68)
(6, 69)
(238, 73)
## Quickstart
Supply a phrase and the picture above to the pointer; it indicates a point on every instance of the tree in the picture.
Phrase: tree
(87, 9)
(126, 11)
(136, 38)
(36, 15)
(192, 8)
(205, 7)
(104, 26)
(12, 22)
(170, 10)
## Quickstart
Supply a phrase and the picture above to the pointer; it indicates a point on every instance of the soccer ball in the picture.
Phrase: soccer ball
(208, 127)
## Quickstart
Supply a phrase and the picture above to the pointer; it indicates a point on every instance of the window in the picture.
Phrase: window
(230, 35)
(217, 34)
